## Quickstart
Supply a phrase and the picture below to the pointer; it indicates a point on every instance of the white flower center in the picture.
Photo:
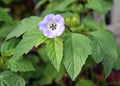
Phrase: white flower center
(52, 26)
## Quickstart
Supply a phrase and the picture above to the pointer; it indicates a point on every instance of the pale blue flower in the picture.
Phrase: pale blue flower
(52, 25)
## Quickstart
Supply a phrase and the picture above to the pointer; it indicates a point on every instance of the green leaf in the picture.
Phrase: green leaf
(26, 24)
(97, 53)
(5, 17)
(117, 62)
(49, 76)
(60, 6)
(42, 52)
(30, 39)
(100, 6)
(108, 65)
(8, 78)
(40, 3)
(21, 65)
(88, 21)
(106, 43)
(104, 49)
(33, 58)
(76, 50)
(103, 25)
(63, 5)
(85, 83)
(7, 48)
(6, 29)
(54, 50)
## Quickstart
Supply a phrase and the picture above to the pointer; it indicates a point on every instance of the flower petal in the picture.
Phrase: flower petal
(59, 19)
(60, 30)
(52, 35)
(43, 26)
(49, 18)
(49, 34)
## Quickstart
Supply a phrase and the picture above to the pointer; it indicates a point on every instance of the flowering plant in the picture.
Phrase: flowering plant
(64, 40)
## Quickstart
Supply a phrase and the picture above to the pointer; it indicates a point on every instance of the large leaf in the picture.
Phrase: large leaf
(5, 17)
(30, 39)
(54, 50)
(22, 65)
(7, 48)
(117, 62)
(76, 50)
(100, 6)
(104, 49)
(8, 78)
(25, 25)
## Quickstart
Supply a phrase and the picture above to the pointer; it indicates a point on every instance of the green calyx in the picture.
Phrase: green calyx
(73, 20)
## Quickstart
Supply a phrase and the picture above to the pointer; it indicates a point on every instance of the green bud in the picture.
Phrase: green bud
(77, 8)
(75, 20)
(67, 20)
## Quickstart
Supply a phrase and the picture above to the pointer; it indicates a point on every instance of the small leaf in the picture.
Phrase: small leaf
(30, 39)
(5, 17)
(97, 53)
(63, 5)
(103, 25)
(108, 65)
(25, 25)
(8, 78)
(54, 50)
(76, 50)
(21, 65)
